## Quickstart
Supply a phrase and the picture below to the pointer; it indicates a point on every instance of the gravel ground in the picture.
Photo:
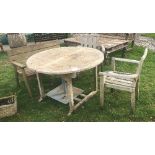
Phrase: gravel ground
(146, 42)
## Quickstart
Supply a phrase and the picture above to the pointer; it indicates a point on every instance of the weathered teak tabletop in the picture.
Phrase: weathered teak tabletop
(110, 44)
(66, 62)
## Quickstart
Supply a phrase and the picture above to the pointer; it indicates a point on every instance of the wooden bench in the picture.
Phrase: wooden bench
(110, 44)
(18, 57)
(130, 37)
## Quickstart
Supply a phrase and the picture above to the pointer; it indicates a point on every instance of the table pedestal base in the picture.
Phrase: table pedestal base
(59, 94)
(66, 93)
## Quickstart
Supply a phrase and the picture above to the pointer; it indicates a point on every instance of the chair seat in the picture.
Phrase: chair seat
(27, 71)
(117, 81)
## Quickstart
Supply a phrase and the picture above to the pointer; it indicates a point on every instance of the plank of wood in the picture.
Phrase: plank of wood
(126, 60)
(77, 99)
(30, 48)
(18, 64)
(130, 77)
(91, 94)
(120, 82)
(28, 72)
(124, 88)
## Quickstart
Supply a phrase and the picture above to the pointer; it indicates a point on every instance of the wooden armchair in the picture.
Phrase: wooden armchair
(122, 81)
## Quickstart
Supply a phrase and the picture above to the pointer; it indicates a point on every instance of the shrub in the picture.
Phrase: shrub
(3, 39)
(29, 37)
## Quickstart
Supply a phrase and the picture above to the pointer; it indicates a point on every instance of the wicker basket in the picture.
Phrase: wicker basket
(8, 106)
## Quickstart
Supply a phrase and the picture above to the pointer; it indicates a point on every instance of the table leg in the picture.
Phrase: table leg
(41, 89)
(64, 86)
(68, 79)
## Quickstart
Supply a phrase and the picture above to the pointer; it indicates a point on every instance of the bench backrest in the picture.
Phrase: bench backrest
(89, 40)
(21, 54)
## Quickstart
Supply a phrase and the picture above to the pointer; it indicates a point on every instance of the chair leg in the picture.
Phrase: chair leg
(132, 44)
(101, 91)
(137, 90)
(133, 101)
(26, 83)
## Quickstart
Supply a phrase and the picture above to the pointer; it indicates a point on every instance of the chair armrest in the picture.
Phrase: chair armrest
(120, 76)
(18, 64)
(125, 60)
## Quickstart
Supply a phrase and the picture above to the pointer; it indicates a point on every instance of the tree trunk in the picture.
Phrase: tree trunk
(17, 40)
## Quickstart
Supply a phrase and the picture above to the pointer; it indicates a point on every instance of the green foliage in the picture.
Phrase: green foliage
(3, 39)
(29, 37)
(117, 104)
(151, 35)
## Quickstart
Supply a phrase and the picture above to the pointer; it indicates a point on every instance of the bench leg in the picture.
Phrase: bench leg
(16, 76)
(133, 42)
(105, 59)
(26, 83)
(124, 52)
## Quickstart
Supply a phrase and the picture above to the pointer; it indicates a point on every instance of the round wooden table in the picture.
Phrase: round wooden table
(66, 62)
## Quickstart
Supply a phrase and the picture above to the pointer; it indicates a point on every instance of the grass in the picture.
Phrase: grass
(151, 35)
(117, 107)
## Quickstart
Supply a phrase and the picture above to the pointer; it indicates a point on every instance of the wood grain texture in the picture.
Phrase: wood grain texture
(65, 60)
(107, 43)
